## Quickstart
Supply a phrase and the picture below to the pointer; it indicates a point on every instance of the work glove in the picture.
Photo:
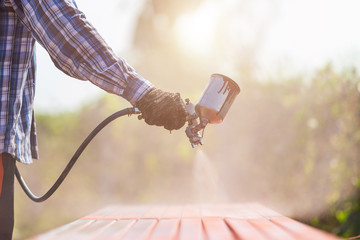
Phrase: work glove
(162, 108)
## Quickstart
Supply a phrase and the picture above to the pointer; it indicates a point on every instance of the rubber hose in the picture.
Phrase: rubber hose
(81, 148)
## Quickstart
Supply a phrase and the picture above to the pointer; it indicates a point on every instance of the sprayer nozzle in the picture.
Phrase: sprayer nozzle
(194, 137)
(193, 145)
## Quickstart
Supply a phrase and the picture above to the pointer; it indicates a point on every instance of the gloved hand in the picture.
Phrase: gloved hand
(162, 109)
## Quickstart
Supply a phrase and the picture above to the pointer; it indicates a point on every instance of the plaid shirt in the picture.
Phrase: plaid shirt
(74, 46)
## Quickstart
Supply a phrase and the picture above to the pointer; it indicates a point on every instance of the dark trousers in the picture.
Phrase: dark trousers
(7, 170)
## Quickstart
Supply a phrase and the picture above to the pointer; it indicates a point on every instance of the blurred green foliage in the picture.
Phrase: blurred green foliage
(335, 105)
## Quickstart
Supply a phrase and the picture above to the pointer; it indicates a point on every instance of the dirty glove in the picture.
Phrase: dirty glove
(163, 109)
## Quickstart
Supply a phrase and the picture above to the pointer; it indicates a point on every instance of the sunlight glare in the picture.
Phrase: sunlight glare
(195, 31)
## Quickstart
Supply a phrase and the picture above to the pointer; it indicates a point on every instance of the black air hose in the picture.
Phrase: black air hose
(126, 111)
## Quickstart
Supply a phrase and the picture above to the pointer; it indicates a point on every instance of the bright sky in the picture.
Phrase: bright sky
(306, 34)
(299, 37)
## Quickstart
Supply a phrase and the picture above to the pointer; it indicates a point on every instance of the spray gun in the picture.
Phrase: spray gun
(212, 106)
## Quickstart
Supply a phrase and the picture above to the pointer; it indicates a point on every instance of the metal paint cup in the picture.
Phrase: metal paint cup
(216, 99)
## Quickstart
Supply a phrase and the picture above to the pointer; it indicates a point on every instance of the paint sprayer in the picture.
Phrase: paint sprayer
(212, 107)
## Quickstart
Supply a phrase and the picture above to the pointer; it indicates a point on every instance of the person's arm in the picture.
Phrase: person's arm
(77, 49)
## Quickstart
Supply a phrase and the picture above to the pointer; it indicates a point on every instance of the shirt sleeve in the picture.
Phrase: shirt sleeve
(77, 49)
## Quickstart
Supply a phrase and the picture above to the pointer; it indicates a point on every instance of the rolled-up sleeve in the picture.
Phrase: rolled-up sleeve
(77, 49)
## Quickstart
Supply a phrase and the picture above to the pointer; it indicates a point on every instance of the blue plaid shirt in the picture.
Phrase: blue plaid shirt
(74, 46)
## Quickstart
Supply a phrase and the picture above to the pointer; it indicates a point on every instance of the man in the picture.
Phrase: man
(77, 49)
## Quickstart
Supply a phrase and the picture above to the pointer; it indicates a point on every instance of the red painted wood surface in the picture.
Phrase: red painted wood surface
(189, 222)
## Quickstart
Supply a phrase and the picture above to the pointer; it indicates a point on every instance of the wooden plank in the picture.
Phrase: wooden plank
(120, 212)
(244, 230)
(154, 212)
(191, 229)
(174, 211)
(270, 230)
(104, 213)
(191, 211)
(211, 210)
(166, 229)
(141, 230)
(188, 222)
(229, 211)
(92, 230)
(67, 229)
(263, 211)
(216, 229)
(131, 212)
(115, 231)
(240, 211)
(302, 231)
